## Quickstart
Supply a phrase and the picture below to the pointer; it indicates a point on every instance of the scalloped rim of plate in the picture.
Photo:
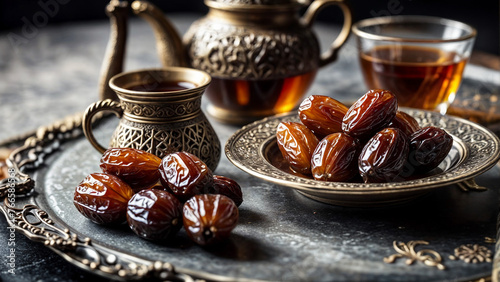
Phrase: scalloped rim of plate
(310, 185)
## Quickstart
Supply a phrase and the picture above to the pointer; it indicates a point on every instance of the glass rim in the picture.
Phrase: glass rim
(356, 28)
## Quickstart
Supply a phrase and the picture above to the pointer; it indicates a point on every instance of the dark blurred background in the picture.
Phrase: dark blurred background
(482, 14)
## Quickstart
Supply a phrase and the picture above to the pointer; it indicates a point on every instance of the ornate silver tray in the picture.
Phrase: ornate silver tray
(475, 150)
(281, 235)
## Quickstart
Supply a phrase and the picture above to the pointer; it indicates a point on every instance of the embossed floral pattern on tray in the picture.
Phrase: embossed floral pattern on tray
(246, 149)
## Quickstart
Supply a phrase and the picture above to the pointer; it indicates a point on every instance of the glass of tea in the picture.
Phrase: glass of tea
(420, 59)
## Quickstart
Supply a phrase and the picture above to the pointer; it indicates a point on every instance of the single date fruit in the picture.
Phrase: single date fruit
(209, 218)
(227, 187)
(405, 123)
(370, 114)
(429, 146)
(154, 214)
(103, 198)
(322, 114)
(185, 175)
(384, 156)
(136, 167)
(296, 143)
(335, 158)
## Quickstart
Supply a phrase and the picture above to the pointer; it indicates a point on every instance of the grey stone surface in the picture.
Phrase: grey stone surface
(282, 235)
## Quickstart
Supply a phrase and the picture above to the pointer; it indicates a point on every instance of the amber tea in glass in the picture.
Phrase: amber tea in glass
(420, 59)
(421, 77)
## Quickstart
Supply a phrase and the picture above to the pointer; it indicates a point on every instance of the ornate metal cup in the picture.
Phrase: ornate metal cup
(156, 119)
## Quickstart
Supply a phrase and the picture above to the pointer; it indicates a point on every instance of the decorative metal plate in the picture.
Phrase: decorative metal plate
(475, 150)
(281, 235)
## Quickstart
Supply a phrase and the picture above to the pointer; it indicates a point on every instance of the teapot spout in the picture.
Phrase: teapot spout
(115, 51)
(168, 42)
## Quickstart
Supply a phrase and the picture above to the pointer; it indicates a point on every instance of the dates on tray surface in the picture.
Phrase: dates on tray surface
(296, 143)
(370, 114)
(136, 167)
(209, 218)
(429, 146)
(185, 175)
(103, 198)
(384, 156)
(154, 211)
(335, 158)
(322, 114)
(154, 214)
(227, 187)
(371, 139)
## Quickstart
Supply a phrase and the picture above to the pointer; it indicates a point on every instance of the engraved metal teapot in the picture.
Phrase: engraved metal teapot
(262, 55)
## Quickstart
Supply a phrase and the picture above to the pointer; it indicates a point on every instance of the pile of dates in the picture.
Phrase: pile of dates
(156, 197)
(371, 139)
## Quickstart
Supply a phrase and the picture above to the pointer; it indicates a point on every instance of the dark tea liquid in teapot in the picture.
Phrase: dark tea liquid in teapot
(259, 96)
(420, 77)
(162, 86)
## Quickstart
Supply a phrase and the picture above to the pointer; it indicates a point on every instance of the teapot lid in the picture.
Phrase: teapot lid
(261, 2)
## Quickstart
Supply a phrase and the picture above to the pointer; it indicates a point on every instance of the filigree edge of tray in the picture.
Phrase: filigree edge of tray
(37, 225)
(108, 262)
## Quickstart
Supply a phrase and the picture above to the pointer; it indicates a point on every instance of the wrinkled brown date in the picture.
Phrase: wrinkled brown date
(136, 167)
(322, 114)
(384, 156)
(103, 198)
(296, 143)
(227, 187)
(335, 158)
(185, 175)
(154, 214)
(371, 113)
(405, 123)
(209, 218)
(429, 146)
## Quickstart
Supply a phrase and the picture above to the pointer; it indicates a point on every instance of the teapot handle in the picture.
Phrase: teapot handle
(308, 18)
(91, 111)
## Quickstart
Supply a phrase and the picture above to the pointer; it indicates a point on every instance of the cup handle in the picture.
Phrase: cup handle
(308, 18)
(91, 111)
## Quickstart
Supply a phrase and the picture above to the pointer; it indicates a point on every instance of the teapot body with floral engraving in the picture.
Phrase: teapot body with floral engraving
(262, 55)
